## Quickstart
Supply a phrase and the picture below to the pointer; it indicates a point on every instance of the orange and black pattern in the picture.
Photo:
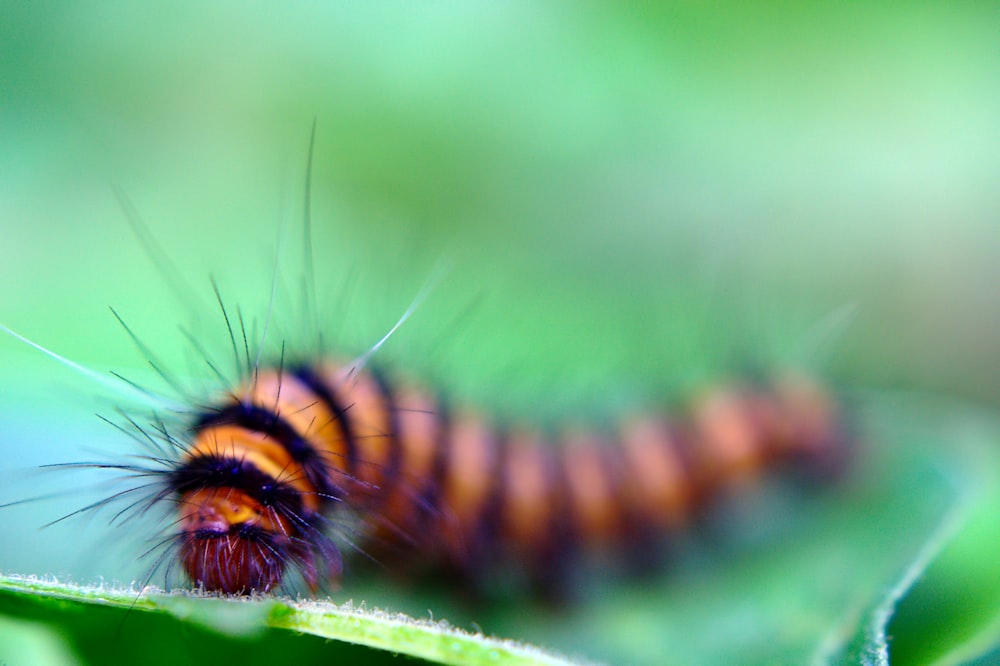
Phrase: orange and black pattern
(267, 469)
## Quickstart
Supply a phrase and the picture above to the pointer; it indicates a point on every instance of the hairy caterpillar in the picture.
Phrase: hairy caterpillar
(267, 466)
(263, 475)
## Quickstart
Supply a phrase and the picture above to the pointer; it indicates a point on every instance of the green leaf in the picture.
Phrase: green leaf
(871, 644)
(913, 620)
(108, 624)
(952, 614)
(26, 642)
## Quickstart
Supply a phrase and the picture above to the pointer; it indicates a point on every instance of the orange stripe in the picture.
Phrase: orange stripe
(527, 495)
(419, 434)
(468, 481)
(810, 416)
(371, 426)
(729, 445)
(591, 497)
(658, 486)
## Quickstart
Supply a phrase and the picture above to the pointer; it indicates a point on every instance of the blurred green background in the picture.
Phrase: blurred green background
(631, 203)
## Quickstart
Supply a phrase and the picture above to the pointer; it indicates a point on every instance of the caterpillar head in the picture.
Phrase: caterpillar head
(231, 543)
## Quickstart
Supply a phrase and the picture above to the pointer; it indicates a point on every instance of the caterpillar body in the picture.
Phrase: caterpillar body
(268, 468)
(265, 478)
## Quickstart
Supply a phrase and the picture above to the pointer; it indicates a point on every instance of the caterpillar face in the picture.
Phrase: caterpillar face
(232, 543)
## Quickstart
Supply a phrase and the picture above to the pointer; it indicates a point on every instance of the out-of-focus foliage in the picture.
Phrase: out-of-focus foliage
(631, 204)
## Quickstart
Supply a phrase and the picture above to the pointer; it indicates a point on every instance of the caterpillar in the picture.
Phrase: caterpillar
(263, 476)
(269, 465)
